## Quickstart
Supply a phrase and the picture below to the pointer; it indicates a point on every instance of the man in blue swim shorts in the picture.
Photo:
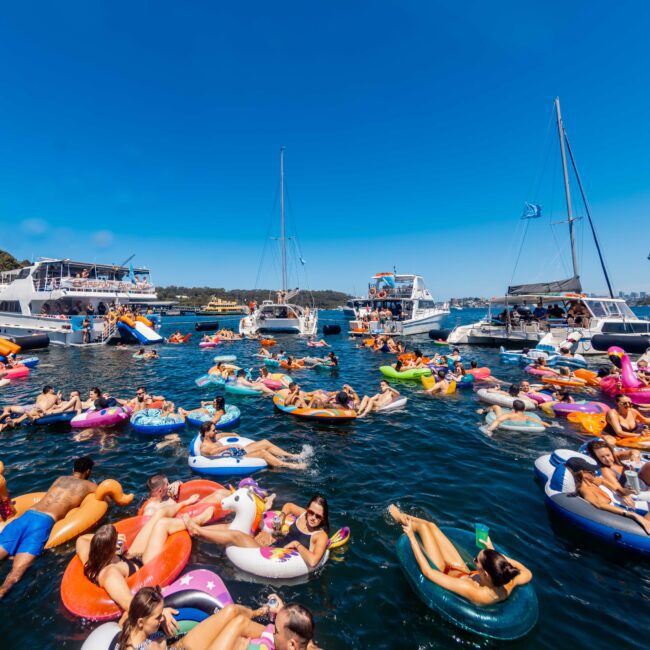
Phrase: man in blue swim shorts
(25, 537)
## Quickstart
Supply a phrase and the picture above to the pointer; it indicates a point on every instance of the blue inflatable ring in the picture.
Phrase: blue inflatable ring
(511, 619)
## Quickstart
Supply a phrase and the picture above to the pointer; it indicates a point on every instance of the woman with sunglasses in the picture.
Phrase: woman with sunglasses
(308, 534)
(624, 420)
(491, 582)
(231, 627)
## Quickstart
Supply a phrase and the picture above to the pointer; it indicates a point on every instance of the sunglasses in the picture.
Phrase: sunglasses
(625, 403)
(315, 515)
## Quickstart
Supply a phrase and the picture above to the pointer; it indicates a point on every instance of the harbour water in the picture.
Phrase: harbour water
(430, 458)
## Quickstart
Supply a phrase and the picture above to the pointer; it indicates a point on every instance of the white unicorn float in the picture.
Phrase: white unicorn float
(268, 561)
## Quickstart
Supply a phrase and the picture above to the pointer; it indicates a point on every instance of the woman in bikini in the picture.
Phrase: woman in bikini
(491, 582)
(308, 534)
(108, 566)
(231, 628)
(624, 420)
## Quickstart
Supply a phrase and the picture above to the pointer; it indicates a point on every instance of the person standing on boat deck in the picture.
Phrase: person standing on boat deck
(25, 537)
(86, 329)
(540, 312)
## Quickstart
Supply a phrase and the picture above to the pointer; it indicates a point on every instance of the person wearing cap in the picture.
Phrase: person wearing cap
(594, 490)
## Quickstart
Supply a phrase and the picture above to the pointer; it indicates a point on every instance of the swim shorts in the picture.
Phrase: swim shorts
(27, 534)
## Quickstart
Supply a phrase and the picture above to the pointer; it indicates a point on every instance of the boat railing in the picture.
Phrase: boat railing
(91, 285)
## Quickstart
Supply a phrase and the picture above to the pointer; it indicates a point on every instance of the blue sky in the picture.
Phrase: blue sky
(414, 132)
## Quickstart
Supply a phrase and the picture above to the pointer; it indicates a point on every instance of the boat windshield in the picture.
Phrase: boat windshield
(610, 309)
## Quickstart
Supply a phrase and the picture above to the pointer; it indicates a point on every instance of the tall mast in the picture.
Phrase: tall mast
(567, 190)
(283, 243)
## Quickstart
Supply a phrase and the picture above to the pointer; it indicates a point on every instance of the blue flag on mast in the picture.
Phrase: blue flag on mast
(531, 211)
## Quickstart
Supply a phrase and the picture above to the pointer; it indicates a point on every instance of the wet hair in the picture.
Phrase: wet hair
(101, 552)
(141, 387)
(342, 398)
(241, 372)
(603, 371)
(300, 623)
(97, 391)
(473, 363)
(518, 406)
(293, 385)
(598, 444)
(83, 464)
(47, 388)
(513, 390)
(417, 352)
(498, 567)
(220, 402)
(142, 605)
(205, 427)
(322, 502)
(155, 482)
(442, 373)
(455, 351)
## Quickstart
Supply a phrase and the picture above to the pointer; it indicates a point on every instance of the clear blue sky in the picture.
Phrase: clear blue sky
(414, 132)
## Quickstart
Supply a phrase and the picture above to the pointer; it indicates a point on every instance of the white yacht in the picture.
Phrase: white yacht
(564, 309)
(410, 307)
(282, 315)
(55, 296)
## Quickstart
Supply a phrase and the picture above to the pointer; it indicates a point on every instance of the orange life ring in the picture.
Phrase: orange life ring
(87, 600)
(382, 294)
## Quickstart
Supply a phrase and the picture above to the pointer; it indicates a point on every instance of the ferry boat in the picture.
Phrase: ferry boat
(589, 323)
(220, 307)
(405, 298)
(281, 315)
(56, 296)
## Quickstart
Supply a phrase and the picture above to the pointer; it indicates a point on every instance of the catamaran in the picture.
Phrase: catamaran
(397, 304)
(562, 307)
(56, 296)
(281, 315)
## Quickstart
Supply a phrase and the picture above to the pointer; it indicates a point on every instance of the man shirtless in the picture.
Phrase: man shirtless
(25, 537)
(142, 399)
(73, 404)
(273, 455)
(384, 397)
(44, 402)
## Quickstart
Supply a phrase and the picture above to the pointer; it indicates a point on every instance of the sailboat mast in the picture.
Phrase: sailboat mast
(283, 242)
(567, 189)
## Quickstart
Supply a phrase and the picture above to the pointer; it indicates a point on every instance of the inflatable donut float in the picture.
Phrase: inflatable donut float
(84, 599)
(78, 520)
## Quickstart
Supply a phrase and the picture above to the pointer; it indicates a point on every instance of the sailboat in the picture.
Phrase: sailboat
(557, 312)
(281, 315)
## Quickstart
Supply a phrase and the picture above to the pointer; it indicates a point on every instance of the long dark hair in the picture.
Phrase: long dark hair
(102, 551)
(142, 606)
(498, 567)
(322, 502)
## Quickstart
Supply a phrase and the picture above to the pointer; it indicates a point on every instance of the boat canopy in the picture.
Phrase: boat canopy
(555, 286)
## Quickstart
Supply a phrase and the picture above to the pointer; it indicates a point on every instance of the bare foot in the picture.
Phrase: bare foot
(297, 466)
(192, 528)
(192, 499)
(398, 515)
(268, 502)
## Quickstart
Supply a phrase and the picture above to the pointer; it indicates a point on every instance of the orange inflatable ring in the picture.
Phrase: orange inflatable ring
(201, 487)
(558, 381)
(268, 342)
(87, 600)
(294, 366)
(594, 423)
(382, 294)
(80, 519)
(590, 377)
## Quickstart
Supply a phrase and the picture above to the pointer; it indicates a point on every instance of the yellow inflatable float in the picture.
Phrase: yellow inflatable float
(78, 520)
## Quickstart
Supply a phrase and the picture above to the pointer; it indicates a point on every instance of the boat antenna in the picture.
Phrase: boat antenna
(591, 223)
(567, 190)
(283, 242)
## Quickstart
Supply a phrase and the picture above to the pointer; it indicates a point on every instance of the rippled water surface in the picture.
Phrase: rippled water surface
(430, 458)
